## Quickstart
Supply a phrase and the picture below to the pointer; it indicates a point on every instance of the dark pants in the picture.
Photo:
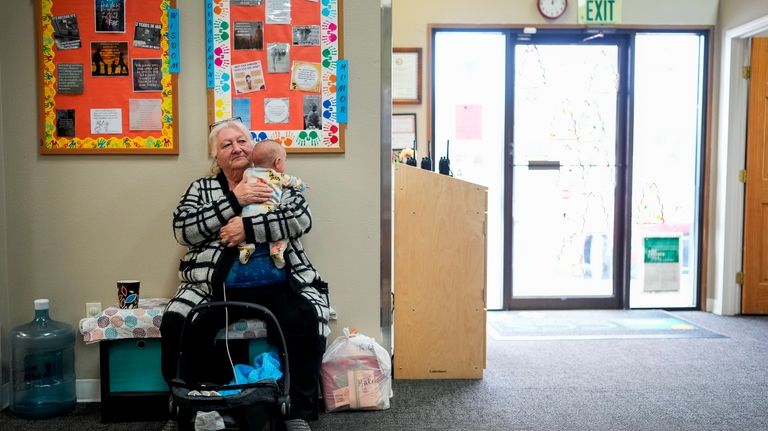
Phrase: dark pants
(298, 321)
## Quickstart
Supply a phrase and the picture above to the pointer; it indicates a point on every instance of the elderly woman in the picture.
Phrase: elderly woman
(207, 221)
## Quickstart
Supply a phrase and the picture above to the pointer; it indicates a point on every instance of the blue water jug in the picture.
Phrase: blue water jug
(42, 366)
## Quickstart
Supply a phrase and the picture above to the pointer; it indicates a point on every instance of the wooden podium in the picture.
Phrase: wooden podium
(439, 274)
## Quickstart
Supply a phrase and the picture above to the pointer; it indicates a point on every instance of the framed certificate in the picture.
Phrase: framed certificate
(403, 131)
(406, 76)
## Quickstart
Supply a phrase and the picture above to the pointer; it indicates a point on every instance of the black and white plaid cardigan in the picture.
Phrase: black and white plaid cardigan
(207, 205)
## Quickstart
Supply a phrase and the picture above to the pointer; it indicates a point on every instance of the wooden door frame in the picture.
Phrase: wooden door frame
(728, 226)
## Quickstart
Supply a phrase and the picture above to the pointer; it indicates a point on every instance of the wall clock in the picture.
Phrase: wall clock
(552, 9)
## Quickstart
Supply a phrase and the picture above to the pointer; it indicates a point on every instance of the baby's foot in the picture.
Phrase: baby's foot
(279, 260)
(246, 250)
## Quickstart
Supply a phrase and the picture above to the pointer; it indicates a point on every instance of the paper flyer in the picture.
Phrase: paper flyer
(305, 76)
(248, 77)
(106, 121)
(145, 114)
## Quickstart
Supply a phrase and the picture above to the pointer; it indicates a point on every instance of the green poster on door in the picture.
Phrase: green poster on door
(662, 249)
(661, 269)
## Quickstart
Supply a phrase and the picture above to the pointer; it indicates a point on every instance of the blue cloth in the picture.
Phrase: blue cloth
(259, 271)
(266, 366)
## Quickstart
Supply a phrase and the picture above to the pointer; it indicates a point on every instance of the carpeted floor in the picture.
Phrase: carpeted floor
(86, 417)
(634, 384)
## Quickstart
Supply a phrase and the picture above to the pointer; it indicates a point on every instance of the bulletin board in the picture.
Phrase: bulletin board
(273, 64)
(105, 81)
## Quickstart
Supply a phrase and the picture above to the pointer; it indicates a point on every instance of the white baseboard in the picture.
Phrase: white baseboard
(713, 306)
(88, 390)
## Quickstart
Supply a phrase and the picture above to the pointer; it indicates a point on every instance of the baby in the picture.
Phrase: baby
(268, 159)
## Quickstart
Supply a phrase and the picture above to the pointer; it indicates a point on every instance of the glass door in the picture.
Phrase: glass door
(469, 114)
(567, 122)
(590, 145)
(667, 169)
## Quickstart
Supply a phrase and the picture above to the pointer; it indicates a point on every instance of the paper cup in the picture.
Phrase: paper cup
(128, 293)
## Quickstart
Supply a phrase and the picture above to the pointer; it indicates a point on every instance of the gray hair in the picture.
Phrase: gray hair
(232, 123)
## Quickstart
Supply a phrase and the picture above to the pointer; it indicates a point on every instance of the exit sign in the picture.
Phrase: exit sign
(599, 11)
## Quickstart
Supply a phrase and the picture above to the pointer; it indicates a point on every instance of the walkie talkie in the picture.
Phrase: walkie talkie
(426, 162)
(445, 163)
(411, 160)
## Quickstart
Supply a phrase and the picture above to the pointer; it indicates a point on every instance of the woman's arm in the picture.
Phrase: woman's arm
(198, 217)
(291, 219)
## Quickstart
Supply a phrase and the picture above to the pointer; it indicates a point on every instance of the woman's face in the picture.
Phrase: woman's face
(233, 150)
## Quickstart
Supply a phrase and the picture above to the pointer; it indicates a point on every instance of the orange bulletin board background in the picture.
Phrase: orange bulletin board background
(125, 102)
(279, 46)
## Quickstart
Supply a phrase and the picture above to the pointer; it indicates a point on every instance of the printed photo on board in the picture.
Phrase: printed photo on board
(65, 123)
(306, 35)
(305, 76)
(249, 35)
(146, 35)
(278, 11)
(246, 2)
(66, 33)
(277, 110)
(312, 112)
(249, 77)
(69, 78)
(109, 16)
(109, 58)
(147, 74)
(145, 114)
(277, 58)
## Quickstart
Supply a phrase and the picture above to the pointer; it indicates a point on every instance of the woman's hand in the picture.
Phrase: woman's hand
(233, 233)
(254, 192)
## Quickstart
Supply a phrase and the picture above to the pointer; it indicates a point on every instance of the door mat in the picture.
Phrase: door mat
(591, 325)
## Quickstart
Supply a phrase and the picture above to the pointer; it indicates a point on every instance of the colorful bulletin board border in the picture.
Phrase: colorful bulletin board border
(107, 108)
(240, 34)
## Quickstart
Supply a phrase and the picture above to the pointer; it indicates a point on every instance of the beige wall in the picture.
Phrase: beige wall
(78, 223)
(734, 13)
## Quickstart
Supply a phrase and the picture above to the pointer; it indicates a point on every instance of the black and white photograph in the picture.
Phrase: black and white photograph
(146, 35)
(109, 16)
(109, 58)
(147, 74)
(278, 60)
(249, 35)
(66, 33)
(65, 123)
(69, 78)
(312, 119)
(306, 35)
(246, 2)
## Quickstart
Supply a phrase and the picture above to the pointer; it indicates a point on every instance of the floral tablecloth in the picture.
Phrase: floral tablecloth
(117, 323)
(144, 322)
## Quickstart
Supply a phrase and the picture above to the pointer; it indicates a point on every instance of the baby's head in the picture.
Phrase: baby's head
(269, 154)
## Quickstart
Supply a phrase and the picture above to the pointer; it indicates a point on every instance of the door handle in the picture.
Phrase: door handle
(544, 165)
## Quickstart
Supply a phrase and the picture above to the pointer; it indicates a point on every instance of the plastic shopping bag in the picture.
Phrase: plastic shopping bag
(356, 374)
